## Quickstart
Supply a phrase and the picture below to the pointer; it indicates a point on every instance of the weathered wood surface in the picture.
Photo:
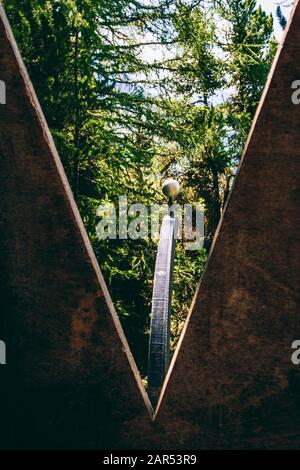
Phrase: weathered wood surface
(233, 383)
(70, 379)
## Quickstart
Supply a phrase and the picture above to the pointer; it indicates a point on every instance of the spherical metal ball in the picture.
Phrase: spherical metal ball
(170, 188)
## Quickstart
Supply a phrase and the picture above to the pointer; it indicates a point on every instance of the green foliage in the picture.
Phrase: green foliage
(281, 18)
(123, 122)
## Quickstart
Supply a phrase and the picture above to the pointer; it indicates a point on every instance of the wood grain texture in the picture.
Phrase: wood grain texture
(70, 379)
(232, 381)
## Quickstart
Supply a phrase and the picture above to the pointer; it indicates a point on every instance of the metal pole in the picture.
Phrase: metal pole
(159, 347)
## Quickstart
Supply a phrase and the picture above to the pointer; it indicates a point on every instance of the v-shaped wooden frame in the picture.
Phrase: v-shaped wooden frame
(70, 380)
